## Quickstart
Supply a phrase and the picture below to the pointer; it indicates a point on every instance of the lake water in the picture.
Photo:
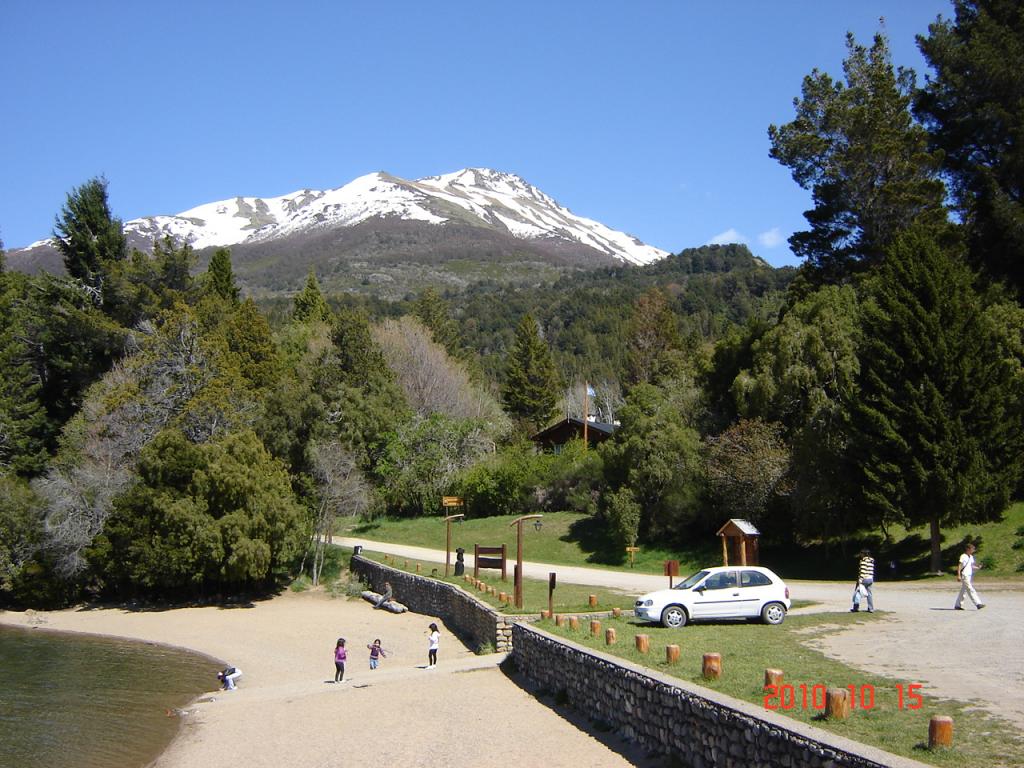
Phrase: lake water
(73, 701)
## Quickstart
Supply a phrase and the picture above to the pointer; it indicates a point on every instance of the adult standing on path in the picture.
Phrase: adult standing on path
(865, 579)
(965, 575)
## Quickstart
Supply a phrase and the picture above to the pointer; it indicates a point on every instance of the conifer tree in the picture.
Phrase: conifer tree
(309, 304)
(935, 429)
(221, 277)
(434, 313)
(855, 146)
(653, 331)
(88, 236)
(974, 111)
(532, 383)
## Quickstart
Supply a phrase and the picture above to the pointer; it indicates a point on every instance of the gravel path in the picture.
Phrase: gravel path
(974, 656)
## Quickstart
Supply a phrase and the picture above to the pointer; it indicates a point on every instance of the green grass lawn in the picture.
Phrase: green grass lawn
(748, 649)
(568, 538)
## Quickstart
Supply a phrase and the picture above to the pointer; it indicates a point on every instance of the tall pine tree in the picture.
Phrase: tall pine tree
(532, 383)
(974, 111)
(867, 164)
(220, 277)
(935, 416)
(88, 236)
(309, 303)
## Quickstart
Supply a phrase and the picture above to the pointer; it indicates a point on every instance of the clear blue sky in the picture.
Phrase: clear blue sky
(650, 117)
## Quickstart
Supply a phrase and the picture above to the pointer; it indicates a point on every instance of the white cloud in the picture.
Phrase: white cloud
(772, 238)
(729, 236)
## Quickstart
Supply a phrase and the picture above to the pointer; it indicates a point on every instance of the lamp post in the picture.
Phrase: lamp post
(448, 540)
(518, 523)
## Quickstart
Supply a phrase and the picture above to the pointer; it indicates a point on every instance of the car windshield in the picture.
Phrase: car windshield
(692, 580)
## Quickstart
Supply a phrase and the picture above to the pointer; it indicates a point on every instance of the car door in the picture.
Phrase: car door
(717, 596)
(755, 591)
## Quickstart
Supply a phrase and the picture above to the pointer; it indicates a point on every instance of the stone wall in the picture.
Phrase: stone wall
(696, 726)
(477, 624)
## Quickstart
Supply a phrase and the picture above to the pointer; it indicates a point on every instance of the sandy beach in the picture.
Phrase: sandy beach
(288, 711)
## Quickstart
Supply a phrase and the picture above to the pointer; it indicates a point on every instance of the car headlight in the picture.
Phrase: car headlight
(647, 603)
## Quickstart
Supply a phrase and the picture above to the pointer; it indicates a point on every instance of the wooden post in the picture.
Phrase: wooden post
(417, 567)
(643, 643)
(940, 731)
(595, 627)
(545, 614)
(772, 677)
(712, 668)
(616, 612)
(593, 601)
(504, 560)
(609, 636)
(574, 623)
(559, 619)
(743, 549)
(503, 597)
(672, 654)
(837, 703)
(405, 565)
(476, 561)
(551, 592)
(725, 550)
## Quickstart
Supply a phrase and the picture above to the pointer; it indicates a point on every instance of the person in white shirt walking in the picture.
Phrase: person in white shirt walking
(965, 575)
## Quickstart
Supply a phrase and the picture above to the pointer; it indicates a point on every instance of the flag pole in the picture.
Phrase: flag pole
(586, 408)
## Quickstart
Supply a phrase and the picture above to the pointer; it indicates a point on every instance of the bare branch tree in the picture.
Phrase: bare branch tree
(342, 491)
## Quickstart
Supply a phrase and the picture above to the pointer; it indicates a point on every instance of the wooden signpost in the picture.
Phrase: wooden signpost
(671, 569)
(632, 551)
(482, 559)
(551, 593)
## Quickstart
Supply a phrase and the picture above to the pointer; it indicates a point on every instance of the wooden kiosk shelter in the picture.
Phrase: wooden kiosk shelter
(740, 537)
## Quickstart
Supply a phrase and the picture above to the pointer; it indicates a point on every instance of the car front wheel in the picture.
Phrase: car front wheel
(674, 617)
(773, 613)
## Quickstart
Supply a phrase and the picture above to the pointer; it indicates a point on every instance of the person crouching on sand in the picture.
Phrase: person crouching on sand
(228, 677)
(340, 656)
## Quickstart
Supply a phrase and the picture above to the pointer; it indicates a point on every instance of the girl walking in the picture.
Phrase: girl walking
(340, 656)
(433, 643)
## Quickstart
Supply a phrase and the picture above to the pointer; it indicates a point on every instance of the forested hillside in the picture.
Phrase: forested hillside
(162, 434)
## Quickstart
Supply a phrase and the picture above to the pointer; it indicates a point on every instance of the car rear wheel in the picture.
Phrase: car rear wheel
(674, 617)
(773, 613)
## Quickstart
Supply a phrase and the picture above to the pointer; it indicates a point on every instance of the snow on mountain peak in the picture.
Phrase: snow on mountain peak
(489, 198)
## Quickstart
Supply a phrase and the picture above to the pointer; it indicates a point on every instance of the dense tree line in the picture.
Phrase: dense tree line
(162, 435)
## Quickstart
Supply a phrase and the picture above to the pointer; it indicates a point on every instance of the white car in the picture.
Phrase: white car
(727, 592)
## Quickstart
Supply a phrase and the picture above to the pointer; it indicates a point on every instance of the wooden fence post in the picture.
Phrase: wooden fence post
(940, 731)
(643, 643)
(672, 654)
(772, 677)
(837, 703)
(595, 627)
(712, 668)
(609, 636)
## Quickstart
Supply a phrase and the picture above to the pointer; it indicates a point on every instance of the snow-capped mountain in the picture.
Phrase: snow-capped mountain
(476, 197)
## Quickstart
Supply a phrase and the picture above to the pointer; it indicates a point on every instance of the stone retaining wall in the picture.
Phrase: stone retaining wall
(696, 726)
(477, 624)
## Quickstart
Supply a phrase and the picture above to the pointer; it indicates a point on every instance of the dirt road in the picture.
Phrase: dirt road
(968, 655)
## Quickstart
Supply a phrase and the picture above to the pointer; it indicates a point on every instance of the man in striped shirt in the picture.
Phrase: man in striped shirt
(865, 578)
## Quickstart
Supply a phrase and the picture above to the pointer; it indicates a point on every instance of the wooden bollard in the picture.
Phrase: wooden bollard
(545, 614)
(616, 612)
(417, 567)
(593, 601)
(772, 677)
(406, 565)
(643, 643)
(837, 703)
(672, 654)
(595, 627)
(940, 731)
(712, 668)
(559, 619)
(574, 623)
(609, 636)
(503, 597)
